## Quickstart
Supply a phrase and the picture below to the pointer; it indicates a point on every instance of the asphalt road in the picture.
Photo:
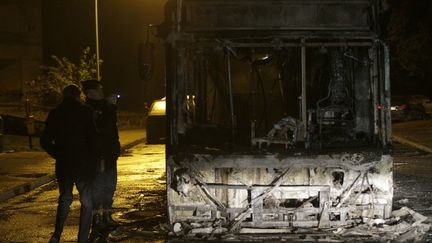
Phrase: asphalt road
(413, 179)
(140, 198)
(139, 203)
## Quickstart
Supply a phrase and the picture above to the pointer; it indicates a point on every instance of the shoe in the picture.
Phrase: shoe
(97, 223)
(108, 221)
(95, 236)
(54, 239)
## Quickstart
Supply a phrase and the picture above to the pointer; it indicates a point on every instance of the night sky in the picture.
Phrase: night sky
(68, 27)
(410, 36)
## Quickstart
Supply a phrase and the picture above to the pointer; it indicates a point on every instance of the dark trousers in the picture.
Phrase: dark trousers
(65, 199)
(105, 185)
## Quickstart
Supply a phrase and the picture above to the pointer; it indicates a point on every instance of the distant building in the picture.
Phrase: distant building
(20, 43)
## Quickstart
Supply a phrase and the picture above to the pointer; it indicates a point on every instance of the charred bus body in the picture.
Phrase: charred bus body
(278, 113)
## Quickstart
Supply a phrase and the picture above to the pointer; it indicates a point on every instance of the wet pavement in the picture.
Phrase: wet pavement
(140, 199)
(419, 132)
(413, 168)
(22, 171)
(139, 203)
(23, 167)
(413, 180)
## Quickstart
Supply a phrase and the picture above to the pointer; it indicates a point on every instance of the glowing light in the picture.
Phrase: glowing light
(158, 108)
(265, 57)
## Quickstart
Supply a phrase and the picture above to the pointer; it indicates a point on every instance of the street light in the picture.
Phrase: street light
(97, 39)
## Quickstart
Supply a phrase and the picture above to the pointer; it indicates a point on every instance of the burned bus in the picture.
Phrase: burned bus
(278, 114)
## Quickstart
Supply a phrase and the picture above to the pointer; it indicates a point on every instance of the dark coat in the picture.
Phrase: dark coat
(70, 137)
(105, 117)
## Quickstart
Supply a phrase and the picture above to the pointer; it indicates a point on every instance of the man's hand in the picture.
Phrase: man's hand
(112, 99)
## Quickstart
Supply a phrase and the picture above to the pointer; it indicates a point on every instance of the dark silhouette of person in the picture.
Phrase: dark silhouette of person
(105, 118)
(70, 138)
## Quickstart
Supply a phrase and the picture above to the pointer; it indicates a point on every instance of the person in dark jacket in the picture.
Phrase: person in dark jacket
(70, 138)
(105, 117)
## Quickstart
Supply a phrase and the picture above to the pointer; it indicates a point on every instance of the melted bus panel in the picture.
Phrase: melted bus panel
(278, 113)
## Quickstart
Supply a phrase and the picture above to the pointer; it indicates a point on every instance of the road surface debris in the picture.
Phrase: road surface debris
(404, 225)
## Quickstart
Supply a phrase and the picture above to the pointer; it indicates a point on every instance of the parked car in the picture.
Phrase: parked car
(156, 122)
(422, 100)
(403, 109)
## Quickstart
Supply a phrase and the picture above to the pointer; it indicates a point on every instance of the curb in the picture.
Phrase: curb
(18, 190)
(411, 143)
(27, 187)
(131, 144)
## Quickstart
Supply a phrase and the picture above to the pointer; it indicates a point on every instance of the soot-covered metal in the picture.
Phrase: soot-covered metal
(278, 113)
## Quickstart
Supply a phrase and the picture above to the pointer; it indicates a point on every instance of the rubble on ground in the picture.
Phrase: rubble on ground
(405, 225)
(403, 201)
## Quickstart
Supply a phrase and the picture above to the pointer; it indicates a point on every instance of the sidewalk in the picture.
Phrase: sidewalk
(21, 172)
(417, 134)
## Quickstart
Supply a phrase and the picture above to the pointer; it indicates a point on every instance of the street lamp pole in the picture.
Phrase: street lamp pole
(97, 39)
